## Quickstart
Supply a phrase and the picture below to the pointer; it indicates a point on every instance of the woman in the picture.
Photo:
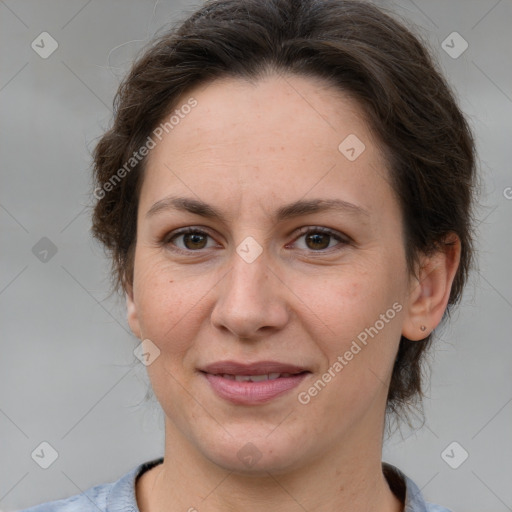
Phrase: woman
(286, 193)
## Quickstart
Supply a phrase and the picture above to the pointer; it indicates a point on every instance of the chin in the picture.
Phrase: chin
(253, 454)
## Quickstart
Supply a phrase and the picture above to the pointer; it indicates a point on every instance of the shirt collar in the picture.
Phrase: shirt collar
(404, 488)
(122, 494)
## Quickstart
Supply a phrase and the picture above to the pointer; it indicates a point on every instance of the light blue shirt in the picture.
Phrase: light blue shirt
(119, 496)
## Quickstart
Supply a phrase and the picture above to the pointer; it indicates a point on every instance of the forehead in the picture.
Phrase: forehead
(289, 134)
(271, 109)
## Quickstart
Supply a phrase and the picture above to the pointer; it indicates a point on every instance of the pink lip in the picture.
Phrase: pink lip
(251, 393)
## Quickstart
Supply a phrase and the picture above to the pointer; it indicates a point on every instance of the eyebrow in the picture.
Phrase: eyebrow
(289, 211)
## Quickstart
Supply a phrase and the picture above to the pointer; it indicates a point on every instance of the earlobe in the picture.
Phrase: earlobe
(131, 311)
(429, 295)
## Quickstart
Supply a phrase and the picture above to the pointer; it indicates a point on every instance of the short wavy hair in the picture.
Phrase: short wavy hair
(358, 49)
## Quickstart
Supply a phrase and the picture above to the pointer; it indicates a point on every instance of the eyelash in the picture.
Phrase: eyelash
(343, 239)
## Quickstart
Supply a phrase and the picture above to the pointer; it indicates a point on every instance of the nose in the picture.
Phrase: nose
(251, 300)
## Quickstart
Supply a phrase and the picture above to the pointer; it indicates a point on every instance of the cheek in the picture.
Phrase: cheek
(343, 300)
(165, 303)
(355, 304)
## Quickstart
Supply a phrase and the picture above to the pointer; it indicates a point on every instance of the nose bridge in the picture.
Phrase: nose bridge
(249, 298)
(249, 268)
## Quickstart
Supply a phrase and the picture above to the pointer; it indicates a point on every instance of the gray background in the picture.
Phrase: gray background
(68, 373)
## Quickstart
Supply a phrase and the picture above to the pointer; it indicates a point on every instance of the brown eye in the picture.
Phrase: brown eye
(320, 239)
(196, 240)
(191, 240)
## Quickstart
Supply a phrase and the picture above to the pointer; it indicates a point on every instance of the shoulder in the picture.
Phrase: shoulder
(431, 507)
(92, 500)
(118, 496)
(408, 492)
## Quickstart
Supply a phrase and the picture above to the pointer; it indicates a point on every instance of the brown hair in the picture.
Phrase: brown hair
(354, 46)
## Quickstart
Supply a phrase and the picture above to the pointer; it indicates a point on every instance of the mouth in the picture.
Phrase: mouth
(257, 378)
(252, 384)
(257, 368)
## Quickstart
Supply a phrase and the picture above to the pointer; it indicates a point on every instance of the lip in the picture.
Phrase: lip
(252, 393)
(247, 392)
(256, 368)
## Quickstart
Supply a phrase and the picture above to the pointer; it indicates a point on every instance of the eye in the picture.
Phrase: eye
(193, 239)
(319, 239)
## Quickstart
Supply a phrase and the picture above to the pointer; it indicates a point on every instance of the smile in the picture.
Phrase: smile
(253, 389)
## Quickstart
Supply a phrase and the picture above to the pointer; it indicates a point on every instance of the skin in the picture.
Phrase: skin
(248, 149)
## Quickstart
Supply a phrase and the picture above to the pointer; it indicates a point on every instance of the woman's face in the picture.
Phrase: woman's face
(323, 289)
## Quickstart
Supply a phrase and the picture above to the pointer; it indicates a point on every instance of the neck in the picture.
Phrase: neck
(345, 479)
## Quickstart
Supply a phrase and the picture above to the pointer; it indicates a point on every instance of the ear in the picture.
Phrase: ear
(131, 308)
(429, 295)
